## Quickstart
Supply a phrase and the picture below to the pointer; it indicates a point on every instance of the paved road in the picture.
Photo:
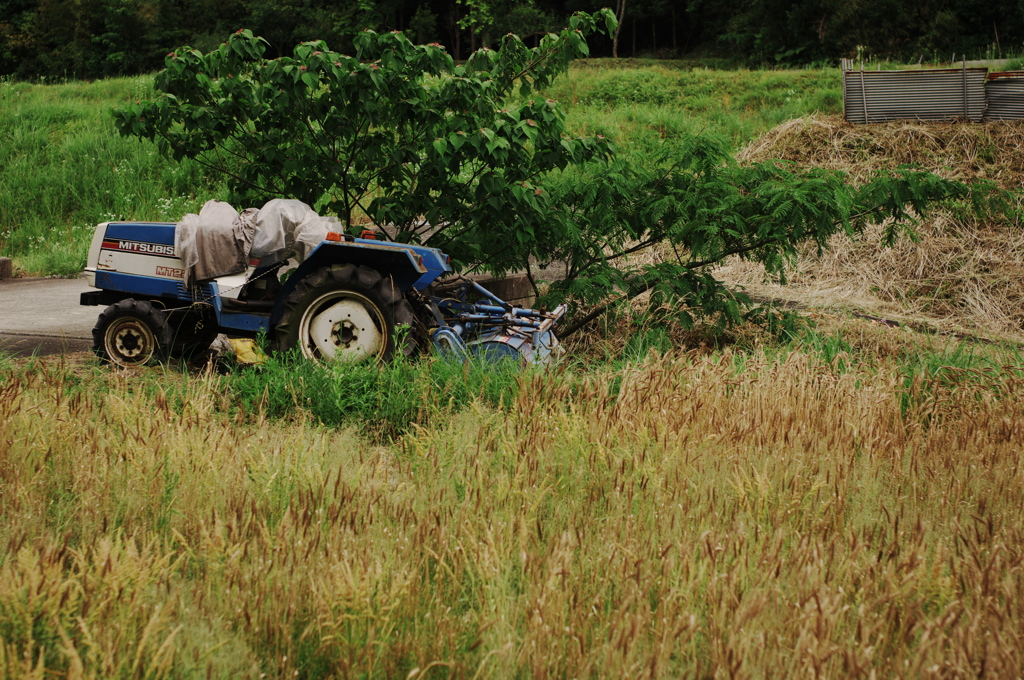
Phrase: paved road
(43, 316)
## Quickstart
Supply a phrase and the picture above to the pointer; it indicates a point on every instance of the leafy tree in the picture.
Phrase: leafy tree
(523, 18)
(93, 38)
(478, 18)
(488, 18)
(468, 159)
(17, 39)
(423, 25)
(453, 154)
(694, 207)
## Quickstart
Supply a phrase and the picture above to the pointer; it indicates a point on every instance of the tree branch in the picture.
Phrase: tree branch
(601, 309)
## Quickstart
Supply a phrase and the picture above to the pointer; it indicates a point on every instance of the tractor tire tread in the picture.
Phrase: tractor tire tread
(342, 273)
(368, 277)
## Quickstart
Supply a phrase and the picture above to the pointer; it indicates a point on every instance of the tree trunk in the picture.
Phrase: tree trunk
(455, 32)
(675, 45)
(620, 14)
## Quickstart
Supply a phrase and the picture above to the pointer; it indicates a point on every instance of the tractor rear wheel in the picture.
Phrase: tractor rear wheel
(348, 313)
(131, 333)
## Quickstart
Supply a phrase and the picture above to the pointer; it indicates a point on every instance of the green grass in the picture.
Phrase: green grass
(383, 401)
(862, 347)
(64, 169)
(641, 108)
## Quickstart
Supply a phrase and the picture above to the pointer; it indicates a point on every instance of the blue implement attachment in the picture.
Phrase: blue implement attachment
(492, 329)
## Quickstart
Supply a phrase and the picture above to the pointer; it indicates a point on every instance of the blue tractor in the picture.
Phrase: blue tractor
(345, 298)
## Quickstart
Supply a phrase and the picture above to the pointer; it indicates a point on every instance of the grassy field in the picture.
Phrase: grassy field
(846, 505)
(844, 502)
(642, 106)
(63, 168)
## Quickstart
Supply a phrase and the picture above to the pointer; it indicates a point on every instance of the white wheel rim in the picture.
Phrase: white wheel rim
(130, 342)
(342, 325)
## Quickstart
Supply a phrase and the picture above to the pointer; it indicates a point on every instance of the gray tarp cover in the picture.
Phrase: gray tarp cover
(220, 241)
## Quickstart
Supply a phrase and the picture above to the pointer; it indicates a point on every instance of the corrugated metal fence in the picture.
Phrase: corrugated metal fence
(1005, 96)
(932, 94)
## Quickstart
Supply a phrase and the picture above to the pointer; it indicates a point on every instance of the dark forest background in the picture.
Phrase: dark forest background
(97, 38)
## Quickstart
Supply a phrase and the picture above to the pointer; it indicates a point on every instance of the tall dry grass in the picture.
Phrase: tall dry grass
(679, 517)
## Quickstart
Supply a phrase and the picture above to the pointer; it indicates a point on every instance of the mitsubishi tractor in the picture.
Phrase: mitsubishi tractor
(283, 272)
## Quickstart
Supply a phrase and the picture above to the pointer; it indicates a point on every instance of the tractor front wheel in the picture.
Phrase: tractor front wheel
(348, 313)
(131, 333)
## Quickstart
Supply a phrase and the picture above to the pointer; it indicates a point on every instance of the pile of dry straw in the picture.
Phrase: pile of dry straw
(963, 274)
